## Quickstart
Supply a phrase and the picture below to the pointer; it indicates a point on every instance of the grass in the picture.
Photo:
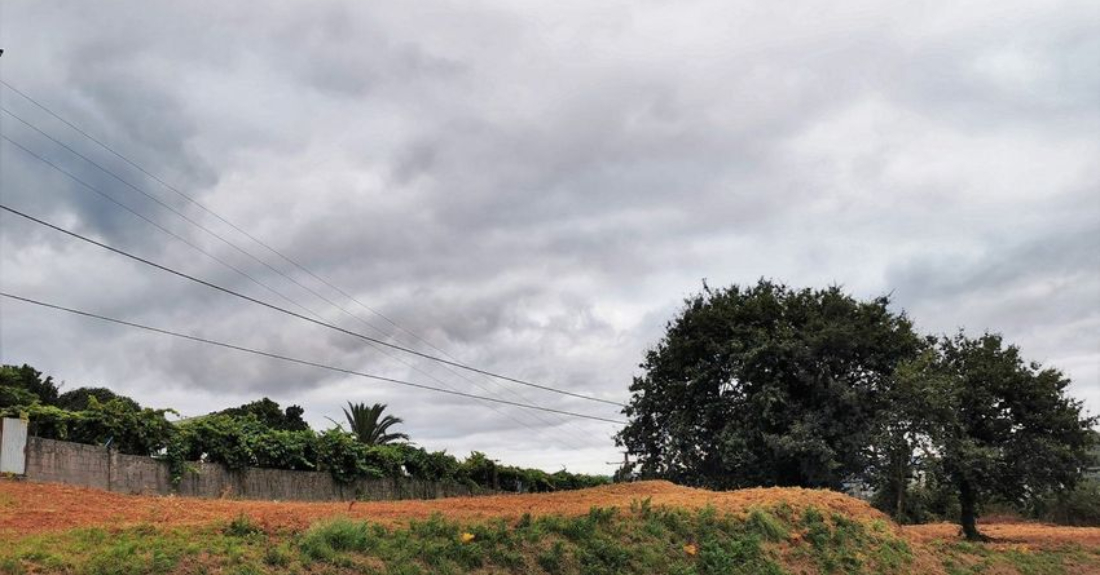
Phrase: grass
(964, 558)
(642, 539)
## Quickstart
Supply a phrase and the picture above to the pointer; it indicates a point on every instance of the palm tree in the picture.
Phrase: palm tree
(368, 424)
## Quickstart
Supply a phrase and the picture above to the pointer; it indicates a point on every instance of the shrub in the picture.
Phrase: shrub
(133, 431)
(1079, 506)
(766, 525)
(342, 455)
(241, 526)
(325, 541)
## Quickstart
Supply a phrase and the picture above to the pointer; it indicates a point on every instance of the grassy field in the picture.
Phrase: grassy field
(792, 537)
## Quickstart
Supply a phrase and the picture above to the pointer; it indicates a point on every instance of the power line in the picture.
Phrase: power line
(267, 287)
(570, 426)
(151, 222)
(306, 362)
(453, 361)
(292, 313)
(294, 263)
(243, 251)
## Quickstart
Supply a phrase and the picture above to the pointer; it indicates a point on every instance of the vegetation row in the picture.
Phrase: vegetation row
(258, 434)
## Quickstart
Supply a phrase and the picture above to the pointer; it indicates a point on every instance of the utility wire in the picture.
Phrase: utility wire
(241, 250)
(292, 313)
(294, 263)
(238, 229)
(306, 362)
(153, 223)
(254, 280)
(195, 279)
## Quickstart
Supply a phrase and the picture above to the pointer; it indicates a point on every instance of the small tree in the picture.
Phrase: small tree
(1000, 427)
(370, 426)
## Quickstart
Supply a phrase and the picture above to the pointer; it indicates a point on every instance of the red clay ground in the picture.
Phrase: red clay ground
(29, 508)
(1010, 534)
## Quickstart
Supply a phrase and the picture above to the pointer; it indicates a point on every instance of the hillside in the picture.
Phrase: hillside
(647, 527)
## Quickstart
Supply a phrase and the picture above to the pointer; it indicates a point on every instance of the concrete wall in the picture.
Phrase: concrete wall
(91, 466)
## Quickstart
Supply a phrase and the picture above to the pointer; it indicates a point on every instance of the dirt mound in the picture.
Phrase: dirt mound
(27, 508)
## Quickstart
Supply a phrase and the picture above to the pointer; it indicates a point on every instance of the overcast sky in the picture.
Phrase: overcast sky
(535, 188)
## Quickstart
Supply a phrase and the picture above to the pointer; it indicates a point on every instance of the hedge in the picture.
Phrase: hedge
(245, 441)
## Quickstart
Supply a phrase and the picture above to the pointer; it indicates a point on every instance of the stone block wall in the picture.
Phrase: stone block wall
(92, 466)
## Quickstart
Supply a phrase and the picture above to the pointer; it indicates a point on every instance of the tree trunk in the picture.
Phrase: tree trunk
(968, 517)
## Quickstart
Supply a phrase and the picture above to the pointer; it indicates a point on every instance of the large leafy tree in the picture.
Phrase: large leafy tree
(79, 398)
(270, 414)
(370, 426)
(766, 385)
(997, 427)
(30, 380)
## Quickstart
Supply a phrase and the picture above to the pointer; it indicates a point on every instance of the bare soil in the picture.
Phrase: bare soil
(28, 508)
(33, 508)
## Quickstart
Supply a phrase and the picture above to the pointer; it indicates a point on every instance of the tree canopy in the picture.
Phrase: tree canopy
(370, 426)
(271, 414)
(999, 428)
(30, 380)
(77, 399)
(765, 385)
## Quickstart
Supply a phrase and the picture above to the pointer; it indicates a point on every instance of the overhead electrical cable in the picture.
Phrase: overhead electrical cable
(240, 230)
(267, 287)
(439, 359)
(244, 274)
(254, 280)
(306, 362)
(234, 293)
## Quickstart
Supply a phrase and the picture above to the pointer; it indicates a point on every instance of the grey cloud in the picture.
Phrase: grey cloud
(535, 191)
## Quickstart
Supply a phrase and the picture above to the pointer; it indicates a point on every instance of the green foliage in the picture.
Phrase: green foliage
(370, 426)
(1000, 428)
(270, 414)
(768, 526)
(765, 385)
(138, 432)
(327, 541)
(29, 379)
(435, 465)
(242, 526)
(1079, 506)
(602, 542)
(12, 396)
(79, 398)
(257, 434)
(479, 469)
(344, 456)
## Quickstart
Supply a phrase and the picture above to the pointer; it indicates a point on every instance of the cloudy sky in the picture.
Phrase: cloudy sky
(534, 189)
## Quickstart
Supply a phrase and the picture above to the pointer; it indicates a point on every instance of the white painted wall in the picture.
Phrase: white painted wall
(13, 446)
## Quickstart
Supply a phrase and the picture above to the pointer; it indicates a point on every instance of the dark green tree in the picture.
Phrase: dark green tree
(30, 379)
(765, 385)
(999, 427)
(370, 426)
(77, 399)
(271, 414)
(12, 396)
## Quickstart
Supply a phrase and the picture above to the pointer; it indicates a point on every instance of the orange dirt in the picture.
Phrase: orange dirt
(27, 508)
(30, 508)
(1012, 534)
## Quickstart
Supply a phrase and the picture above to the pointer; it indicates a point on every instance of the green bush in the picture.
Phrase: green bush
(324, 542)
(1079, 506)
(129, 430)
(257, 434)
(342, 455)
